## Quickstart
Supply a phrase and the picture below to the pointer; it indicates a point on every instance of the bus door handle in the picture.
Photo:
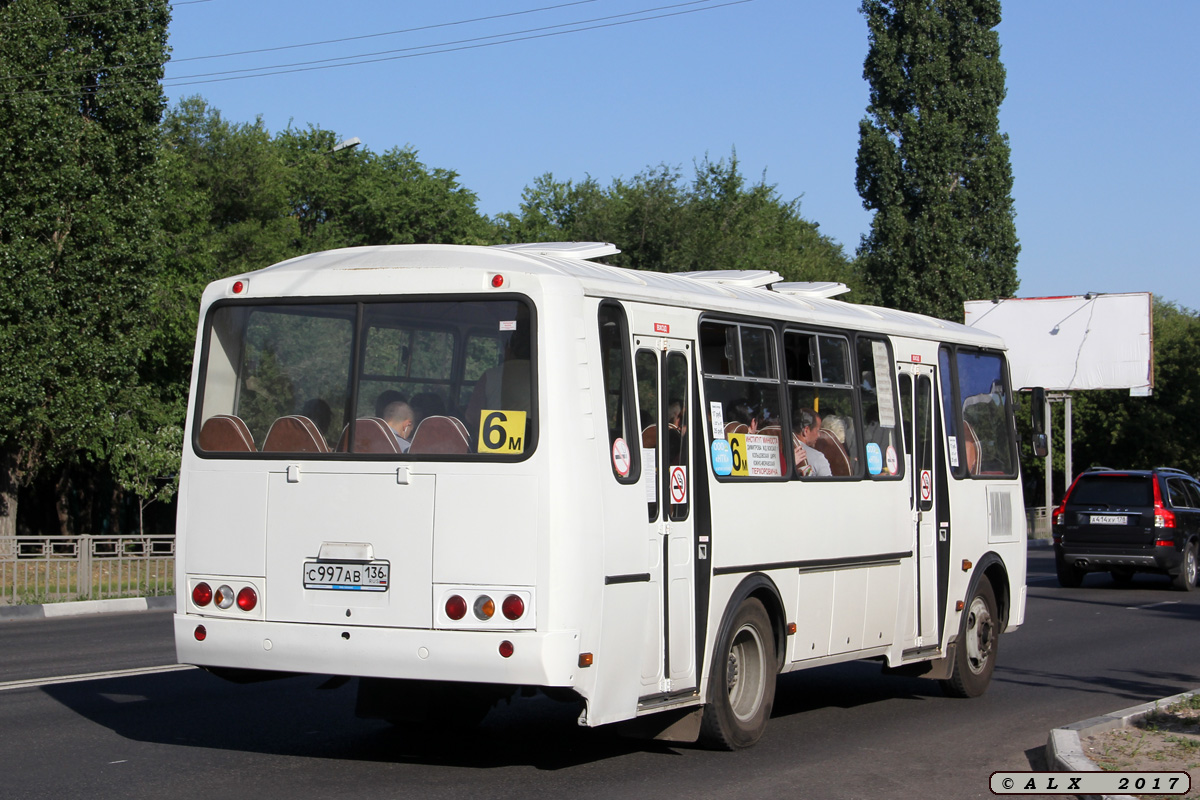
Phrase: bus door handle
(664, 528)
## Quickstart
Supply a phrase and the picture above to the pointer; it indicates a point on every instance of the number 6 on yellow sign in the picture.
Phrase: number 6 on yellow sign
(737, 444)
(501, 431)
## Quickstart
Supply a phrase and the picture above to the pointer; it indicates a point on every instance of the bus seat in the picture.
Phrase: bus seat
(650, 436)
(441, 435)
(829, 446)
(225, 434)
(371, 435)
(973, 447)
(736, 427)
(294, 434)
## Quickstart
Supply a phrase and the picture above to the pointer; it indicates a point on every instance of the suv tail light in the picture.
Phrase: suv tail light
(1163, 516)
(1056, 518)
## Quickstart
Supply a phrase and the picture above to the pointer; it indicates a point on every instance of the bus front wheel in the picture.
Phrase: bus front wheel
(975, 653)
(741, 687)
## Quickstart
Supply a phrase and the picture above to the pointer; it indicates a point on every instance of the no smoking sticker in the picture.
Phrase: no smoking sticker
(678, 485)
(926, 485)
(620, 457)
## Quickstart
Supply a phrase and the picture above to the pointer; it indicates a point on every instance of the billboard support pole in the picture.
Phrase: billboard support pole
(1067, 443)
(1049, 462)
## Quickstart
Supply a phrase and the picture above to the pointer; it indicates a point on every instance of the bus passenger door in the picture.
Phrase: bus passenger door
(917, 386)
(664, 377)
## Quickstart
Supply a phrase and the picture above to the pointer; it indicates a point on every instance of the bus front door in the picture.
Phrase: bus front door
(917, 387)
(664, 380)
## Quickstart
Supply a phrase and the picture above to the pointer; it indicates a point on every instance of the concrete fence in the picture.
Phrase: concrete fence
(48, 569)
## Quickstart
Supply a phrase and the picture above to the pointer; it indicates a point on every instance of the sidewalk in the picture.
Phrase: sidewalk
(1064, 748)
(120, 605)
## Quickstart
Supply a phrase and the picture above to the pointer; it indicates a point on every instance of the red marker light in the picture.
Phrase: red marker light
(201, 634)
(513, 607)
(239, 287)
(506, 648)
(497, 281)
(247, 599)
(201, 594)
(456, 607)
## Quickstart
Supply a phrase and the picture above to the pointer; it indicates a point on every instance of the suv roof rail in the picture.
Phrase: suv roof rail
(1098, 468)
(1173, 470)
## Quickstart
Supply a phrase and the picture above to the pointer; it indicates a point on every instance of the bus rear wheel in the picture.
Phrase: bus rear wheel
(741, 687)
(975, 653)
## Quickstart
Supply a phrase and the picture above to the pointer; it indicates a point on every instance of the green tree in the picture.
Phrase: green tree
(664, 223)
(1116, 430)
(80, 105)
(932, 163)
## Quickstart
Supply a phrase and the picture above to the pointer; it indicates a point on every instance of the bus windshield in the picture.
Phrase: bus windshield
(430, 378)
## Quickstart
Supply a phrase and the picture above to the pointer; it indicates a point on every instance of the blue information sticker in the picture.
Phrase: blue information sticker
(874, 458)
(722, 457)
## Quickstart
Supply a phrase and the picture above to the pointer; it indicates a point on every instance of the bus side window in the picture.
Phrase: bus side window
(646, 369)
(987, 435)
(878, 403)
(825, 434)
(624, 433)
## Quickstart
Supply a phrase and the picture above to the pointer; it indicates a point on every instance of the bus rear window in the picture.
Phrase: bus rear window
(429, 379)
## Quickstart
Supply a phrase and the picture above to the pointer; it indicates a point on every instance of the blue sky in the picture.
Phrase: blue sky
(1103, 107)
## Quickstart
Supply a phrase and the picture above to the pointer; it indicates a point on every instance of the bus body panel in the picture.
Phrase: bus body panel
(640, 600)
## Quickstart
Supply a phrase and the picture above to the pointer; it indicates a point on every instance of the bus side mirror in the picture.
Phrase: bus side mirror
(1041, 445)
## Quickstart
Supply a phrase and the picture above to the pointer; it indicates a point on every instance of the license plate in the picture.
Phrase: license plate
(1109, 519)
(346, 577)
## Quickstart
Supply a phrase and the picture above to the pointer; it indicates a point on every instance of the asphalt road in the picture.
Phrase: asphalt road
(843, 731)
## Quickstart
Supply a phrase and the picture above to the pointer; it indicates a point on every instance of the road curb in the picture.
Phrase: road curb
(1064, 747)
(120, 605)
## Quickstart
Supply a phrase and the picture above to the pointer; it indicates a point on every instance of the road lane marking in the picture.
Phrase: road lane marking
(92, 676)
(1153, 605)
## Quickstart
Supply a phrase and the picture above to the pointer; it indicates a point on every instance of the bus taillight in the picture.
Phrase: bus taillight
(201, 594)
(247, 599)
(485, 607)
(513, 607)
(224, 596)
(456, 607)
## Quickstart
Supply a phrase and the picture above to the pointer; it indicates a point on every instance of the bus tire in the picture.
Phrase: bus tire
(975, 653)
(741, 689)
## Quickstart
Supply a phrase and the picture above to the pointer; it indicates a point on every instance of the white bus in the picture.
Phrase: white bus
(458, 471)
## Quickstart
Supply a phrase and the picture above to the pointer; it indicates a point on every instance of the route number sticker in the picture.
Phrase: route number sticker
(501, 431)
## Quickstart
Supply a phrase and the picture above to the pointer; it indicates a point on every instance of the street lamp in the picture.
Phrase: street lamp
(346, 144)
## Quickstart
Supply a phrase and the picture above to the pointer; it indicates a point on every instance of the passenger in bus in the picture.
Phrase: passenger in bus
(387, 397)
(806, 429)
(427, 404)
(320, 413)
(399, 417)
(507, 385)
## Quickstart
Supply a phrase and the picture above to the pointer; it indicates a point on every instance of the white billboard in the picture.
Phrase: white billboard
(1093, 341)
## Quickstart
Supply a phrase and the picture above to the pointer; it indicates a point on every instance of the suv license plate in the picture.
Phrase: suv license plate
(1109, 519)
(346, 577)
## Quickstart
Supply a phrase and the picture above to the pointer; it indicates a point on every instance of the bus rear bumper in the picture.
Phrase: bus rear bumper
(538, 659)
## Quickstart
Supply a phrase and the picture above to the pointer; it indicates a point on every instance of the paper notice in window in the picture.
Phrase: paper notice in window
(762, 456)
(883, 385)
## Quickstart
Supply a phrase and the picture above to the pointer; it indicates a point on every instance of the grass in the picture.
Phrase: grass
(40, 581)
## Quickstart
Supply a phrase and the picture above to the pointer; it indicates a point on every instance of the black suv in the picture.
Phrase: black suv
(1127, 521)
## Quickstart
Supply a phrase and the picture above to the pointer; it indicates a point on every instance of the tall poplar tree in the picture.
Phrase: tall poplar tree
(80, 105)
(932, 163)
